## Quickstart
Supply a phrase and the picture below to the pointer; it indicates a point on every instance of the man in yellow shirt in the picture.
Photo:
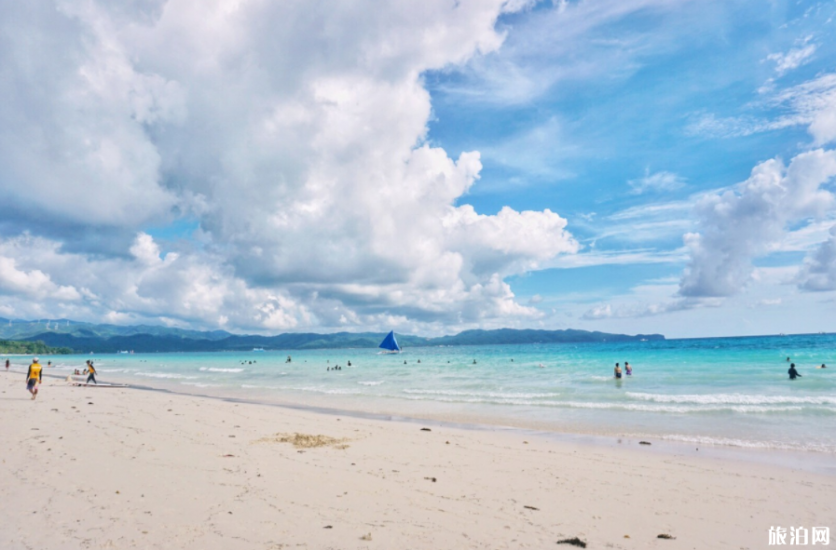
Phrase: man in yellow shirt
(34, 377)
(91, 373)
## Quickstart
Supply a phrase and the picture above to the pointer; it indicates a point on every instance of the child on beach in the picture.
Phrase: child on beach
(34, 377)
(628, 370)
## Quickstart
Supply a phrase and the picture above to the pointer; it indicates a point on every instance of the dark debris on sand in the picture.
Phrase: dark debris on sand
(665, 536)
(573, 541)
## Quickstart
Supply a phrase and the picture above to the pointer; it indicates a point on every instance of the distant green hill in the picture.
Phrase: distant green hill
(530, 336)
(30, 348)
(17, 329)
(87, 337)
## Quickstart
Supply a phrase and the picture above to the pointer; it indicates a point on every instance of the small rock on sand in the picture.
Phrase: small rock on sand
(573, 541)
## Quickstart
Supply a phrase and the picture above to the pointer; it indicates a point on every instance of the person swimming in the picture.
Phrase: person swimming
(617, 371)
(823, 366)
(628, 370)
(792, 372)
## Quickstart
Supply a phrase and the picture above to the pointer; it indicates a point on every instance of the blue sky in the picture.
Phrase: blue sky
(628, 166)
(619, 103)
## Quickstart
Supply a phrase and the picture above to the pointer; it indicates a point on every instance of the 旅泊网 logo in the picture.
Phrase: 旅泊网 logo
(799, 536)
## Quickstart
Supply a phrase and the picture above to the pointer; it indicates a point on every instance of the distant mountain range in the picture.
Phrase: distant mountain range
(88, 337)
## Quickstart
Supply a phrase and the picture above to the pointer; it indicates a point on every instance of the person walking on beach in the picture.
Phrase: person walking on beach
(617, 371)
(792, 372)
(34, 377)
(628, 370)
(7, 364)
(92, 373)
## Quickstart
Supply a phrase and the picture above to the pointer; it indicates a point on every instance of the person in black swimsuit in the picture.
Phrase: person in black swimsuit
(792, 372)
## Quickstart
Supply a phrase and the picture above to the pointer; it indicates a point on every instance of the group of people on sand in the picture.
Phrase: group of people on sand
(34, 375)
(628, 370)
(90, 371)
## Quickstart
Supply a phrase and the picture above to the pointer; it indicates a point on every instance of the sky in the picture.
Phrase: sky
(631, 166)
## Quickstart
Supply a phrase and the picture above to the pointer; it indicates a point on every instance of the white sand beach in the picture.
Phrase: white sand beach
(126, 468)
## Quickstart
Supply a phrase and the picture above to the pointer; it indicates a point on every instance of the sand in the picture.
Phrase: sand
(127, 468)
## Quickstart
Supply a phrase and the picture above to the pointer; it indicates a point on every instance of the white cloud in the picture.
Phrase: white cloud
(601, 311)
(819, 270)
(32, 284)
(639, 309)
(573, 41)
(621, 257)
(646, 223)
(294, 133)
(792, 59)
(537, 152)
(741, 224)
(811, 103)
(658, 181)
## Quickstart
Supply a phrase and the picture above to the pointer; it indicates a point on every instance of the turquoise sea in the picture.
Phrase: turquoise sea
(723, 391)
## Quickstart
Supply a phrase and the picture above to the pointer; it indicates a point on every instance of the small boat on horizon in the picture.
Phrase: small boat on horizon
(258, 349)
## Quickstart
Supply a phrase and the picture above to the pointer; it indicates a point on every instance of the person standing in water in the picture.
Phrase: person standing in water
(34, 377)
(91, 373)
(617, 371)
(628, 370)
(792, 372)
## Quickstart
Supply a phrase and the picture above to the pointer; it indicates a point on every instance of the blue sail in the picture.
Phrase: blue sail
(390, 343)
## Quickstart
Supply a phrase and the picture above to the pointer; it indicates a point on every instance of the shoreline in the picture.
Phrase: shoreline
(805, 460)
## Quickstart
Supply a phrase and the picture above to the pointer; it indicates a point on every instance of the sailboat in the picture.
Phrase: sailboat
(390, 344)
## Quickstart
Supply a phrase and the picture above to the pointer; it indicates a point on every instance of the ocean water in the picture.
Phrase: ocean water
(725, 391)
